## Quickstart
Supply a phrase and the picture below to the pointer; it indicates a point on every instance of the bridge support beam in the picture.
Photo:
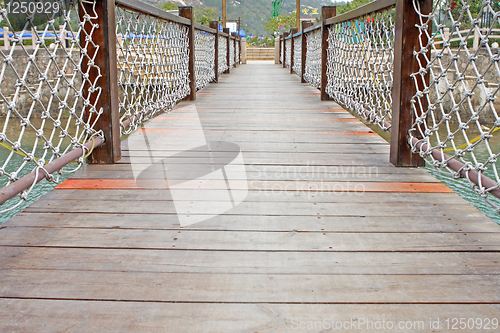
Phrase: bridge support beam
(105, 37)
(405, 41)
(187, 12)
(326, 13)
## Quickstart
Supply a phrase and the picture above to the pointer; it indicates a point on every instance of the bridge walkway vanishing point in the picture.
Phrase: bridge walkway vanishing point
(329, 230)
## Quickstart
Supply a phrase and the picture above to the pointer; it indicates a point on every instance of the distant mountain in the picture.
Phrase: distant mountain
(253, 13)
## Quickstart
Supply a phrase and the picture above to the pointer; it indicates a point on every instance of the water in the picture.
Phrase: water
(461, 186)
(27, 141)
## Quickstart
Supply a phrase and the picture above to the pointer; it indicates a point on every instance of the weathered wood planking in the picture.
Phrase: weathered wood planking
(435, 224)
(251, 262)
(115, 260)
(105, 316)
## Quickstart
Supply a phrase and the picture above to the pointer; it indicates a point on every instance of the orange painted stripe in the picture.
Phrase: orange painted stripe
(359, 187)
(104, 184)
(397, 187)
(165, 130)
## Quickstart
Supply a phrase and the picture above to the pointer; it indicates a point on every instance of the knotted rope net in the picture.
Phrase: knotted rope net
(237, 57)
(288, 52)
(297, 55)
(223, 66)
(48, 96)
(231, 53)
(360, 59)
(204, 44)
(312, 71)
(153, 59)
(456, 105)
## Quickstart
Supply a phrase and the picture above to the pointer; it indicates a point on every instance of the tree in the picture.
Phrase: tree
(204, 15)
(348, 6)
(273, 24)
(169, 6)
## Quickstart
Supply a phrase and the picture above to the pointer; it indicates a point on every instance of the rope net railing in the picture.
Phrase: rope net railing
(223, 65)
(59, 85)
(204, 58)
(237, 55)
(231, 53)
(49, 89)
(312, 69)
(297, 55)
(153, 60)
(456, 106)
(360, 59)
(282, 56)
(288, 52)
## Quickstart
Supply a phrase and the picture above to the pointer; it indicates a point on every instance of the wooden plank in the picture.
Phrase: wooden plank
(108, 316)
(201, 206)
(244, 262)
(118, 260)
(340, 170)
(385, 199)
(250, 288)
(251, 240)
(290, 175)
(353, 224)
(340, 159)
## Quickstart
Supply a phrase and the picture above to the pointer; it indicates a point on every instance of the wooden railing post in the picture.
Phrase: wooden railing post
(326, 13)
(405, 42)
(293, 31)
(243, 50)
(305, 25)
(228, 54)
(6, 39)
(215, 25)
(187, 12)
(285, 35)
(106, 60)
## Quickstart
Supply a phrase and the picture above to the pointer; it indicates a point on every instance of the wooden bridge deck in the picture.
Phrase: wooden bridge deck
(329, 230)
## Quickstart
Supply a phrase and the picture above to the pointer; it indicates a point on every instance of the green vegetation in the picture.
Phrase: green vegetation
(344, 7)
(285, 21)
(204, 15)
(254, 14)
(169, 6)
(266, 42)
